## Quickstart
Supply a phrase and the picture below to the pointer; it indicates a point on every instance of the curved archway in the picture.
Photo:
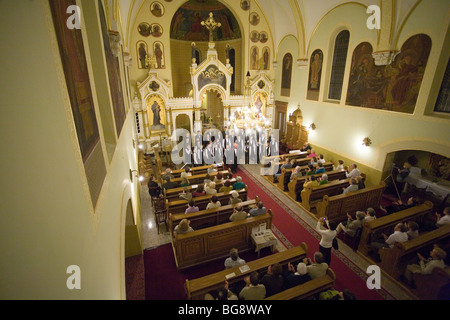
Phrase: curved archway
(212, 109)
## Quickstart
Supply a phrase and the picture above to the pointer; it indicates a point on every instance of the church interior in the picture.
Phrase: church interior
(115, 88)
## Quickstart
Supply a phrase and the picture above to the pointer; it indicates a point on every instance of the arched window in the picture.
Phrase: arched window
(338, 67)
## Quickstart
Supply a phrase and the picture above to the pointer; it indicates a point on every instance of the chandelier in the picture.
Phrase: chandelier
(249, 116)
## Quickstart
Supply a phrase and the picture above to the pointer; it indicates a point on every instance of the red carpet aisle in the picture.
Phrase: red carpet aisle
(134, 278)
(292, 230)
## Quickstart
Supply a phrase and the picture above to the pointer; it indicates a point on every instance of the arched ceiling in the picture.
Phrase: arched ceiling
(298, 18)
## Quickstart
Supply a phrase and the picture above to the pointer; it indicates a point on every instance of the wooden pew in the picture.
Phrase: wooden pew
(394, 260)
(179, 206)
(211, 217)
(174, 194)
(281, 157)
(199, 178)
(197, 288)
(194, 170)
(307, 289)
(429, 285)
(312, 195)
(213, 243)
(284, 179)
(388, 222)
(335, 208)
(295, 187)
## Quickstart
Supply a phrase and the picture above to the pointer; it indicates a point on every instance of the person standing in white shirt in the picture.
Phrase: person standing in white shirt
(328, 233)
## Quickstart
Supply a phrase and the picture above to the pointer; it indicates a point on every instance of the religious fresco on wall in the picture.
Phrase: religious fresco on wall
(187, 21)
(212, 74)
(144, 29)
(158, 53)
(315, 74)
(142, 52)
(263, 37)
(245, 5)
(286, 75)
(394, 87)
(265, 63)
(254, 57)
(254, 19)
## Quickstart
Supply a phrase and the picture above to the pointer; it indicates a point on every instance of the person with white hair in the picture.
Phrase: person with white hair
(426, 266)
(293, 277)
(234, 197)
(238, 185)
(323, 179)
(210, 188)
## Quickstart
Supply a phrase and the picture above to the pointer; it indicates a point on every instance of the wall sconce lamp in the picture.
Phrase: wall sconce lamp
(134, 173)
(366, 142)
(312, 126)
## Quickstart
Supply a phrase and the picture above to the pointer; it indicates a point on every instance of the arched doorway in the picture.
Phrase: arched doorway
(212, 111)
(182, 121)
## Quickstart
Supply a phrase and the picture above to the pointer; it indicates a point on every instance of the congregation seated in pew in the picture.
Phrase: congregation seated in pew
(183, 227)
(238, 213)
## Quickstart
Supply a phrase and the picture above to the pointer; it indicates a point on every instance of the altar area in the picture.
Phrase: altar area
(210, 104)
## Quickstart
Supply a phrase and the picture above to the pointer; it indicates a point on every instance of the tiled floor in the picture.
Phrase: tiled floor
(151, 238)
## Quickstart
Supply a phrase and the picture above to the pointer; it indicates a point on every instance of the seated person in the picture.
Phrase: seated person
(310, 181)
(287, 165)
(184, 182)
(426, 266)
(313, 161)
(399, 205)
(353, 172)
(199, 192)
(399, 235)
(321, 159)
(351, 225)
(218, 178)
(259, 210)
(207, 179)
(234, 197)
(339, 167)
(443, 219)
(238, 213)
(361, 181)
(213, 203)
(233, 260)
(169, 184)
(296, 173)
(186, 173)
(226, 188)
(212, 168)
(191, 207)
(210, 188)
(167, 174)
(312, 154)
(253, 289)
(310, 170)
(333, 294)
(370, 215)
(413, 229)
(323, 179)
(318, 268)
(154, 189)
(223, 293)
(352, 187)
(183, 227)
(320, 168)
(306, 146)
(186, 194)
(238, 185)
(294, 277)
(273, 280)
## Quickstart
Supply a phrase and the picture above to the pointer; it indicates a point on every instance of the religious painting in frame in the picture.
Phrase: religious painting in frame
(260, 103)
(115, 81)
(76, 74)
(157, 30)
(142, 54)
(286, 75)
(394, 87)
(263, 37)
(144, 29)
(157, 9)
(254, 19)
(254, 58)
(245, 5)
(156, 113)
(254, 36)
(212, 74)
(315, 75)
(265, 65)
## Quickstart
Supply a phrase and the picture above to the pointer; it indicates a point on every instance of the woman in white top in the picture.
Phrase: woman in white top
(210, 188)
(213, 203)
(339, 167)
(328, 233)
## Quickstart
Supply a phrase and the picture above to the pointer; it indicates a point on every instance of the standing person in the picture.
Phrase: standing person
(328, 232)
(154, 189)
